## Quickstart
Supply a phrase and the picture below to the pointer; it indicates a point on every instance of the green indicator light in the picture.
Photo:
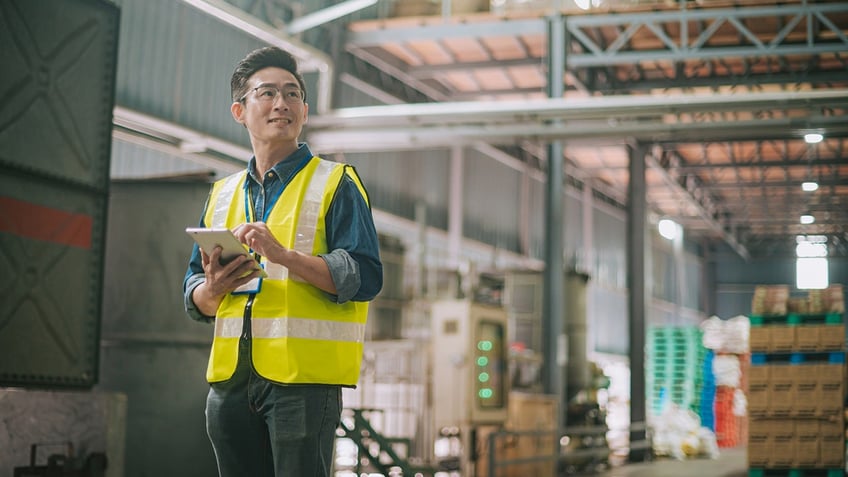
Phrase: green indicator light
(482, 361)
(483, 377)
(485, 393)
(484, 345)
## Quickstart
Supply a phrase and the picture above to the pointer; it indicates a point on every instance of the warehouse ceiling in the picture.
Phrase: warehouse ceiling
(722, 94)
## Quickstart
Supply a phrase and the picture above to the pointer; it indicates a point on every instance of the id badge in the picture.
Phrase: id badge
(253, 286)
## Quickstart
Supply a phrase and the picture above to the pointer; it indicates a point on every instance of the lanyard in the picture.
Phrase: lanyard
(250, 212)
(249, 209)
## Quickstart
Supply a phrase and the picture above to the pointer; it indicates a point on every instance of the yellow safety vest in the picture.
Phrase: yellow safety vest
(298, 334)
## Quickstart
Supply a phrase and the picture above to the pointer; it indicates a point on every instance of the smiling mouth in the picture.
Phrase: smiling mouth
(280, 120)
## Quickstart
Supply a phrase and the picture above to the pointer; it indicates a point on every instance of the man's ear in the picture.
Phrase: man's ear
(237, 110)
(305, 112)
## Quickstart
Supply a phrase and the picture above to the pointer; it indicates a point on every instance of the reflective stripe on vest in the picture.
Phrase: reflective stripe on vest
(308, 328)
(310, 209)
(222, 207)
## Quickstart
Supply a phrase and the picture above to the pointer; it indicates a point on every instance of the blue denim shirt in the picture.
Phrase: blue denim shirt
(354, 257)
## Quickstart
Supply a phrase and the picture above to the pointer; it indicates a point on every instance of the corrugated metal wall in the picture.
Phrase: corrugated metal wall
(397, 181)
(175, 63)
(491, 217)
(131, 161)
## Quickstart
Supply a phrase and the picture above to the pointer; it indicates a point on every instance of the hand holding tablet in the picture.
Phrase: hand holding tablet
(209, 238)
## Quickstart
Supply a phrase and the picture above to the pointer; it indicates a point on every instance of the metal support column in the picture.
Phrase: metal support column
(638, 254)
(422, 288)
(455, 206)
(708, 280)
(552, 319)
(679, 260)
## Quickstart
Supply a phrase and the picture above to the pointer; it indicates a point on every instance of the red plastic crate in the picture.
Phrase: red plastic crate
(726, 428)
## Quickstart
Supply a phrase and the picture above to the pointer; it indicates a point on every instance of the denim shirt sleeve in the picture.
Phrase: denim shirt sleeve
(194, 276)
(345, 273)
(190, 284)
(354, 258)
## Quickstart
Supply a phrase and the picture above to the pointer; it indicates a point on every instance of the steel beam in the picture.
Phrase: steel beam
(326, 15)
(707, 215)
(373, 139)
(629, 23)
(607, 107)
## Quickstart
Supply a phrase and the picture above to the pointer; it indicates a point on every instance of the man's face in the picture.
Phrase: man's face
(273, 109)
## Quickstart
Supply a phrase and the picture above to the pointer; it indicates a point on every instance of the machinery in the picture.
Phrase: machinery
(63, 465)
(470, 382)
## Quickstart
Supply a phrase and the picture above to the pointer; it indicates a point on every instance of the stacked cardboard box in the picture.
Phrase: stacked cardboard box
(774, 300)
(770, 300)
(799, 331)
(533, 447)
(829, 300)
(796, 385)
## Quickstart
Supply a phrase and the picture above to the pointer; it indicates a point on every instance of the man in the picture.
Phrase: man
(284, 345)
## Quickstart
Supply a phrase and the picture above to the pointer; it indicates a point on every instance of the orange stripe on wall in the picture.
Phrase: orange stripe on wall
(37, 222)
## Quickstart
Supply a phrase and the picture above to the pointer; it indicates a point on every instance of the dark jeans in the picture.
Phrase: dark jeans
(262, 429)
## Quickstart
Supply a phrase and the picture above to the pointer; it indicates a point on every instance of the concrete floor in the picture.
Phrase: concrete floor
(731, 462)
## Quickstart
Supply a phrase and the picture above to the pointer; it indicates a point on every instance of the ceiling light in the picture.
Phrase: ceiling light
(810, 186)
(807, 218)
(668, 228)
(813, 138)
(809, 249)
(811, 238)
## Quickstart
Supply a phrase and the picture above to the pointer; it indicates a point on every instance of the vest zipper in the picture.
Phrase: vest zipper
(248, 313)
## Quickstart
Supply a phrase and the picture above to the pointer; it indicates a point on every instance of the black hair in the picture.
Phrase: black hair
(269, 56)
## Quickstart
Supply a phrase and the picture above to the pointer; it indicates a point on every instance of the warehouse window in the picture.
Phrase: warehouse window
(811, 263)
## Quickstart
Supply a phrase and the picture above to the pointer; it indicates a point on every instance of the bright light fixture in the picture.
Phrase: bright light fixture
(811, 273)
(809, 249)
(811, 238)
(807, 219)
(585, 4)
(813, 138)
(810, 186)
(668, 228)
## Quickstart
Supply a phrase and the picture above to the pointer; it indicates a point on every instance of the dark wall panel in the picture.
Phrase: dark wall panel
(56, 99)
(151, 351)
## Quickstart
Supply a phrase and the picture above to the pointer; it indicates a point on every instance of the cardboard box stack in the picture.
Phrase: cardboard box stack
(533, 418)
(796, 381)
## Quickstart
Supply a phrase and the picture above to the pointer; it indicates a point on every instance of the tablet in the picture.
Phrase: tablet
(208, 239)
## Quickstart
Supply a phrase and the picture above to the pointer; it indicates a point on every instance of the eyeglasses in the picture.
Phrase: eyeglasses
(267, 93)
